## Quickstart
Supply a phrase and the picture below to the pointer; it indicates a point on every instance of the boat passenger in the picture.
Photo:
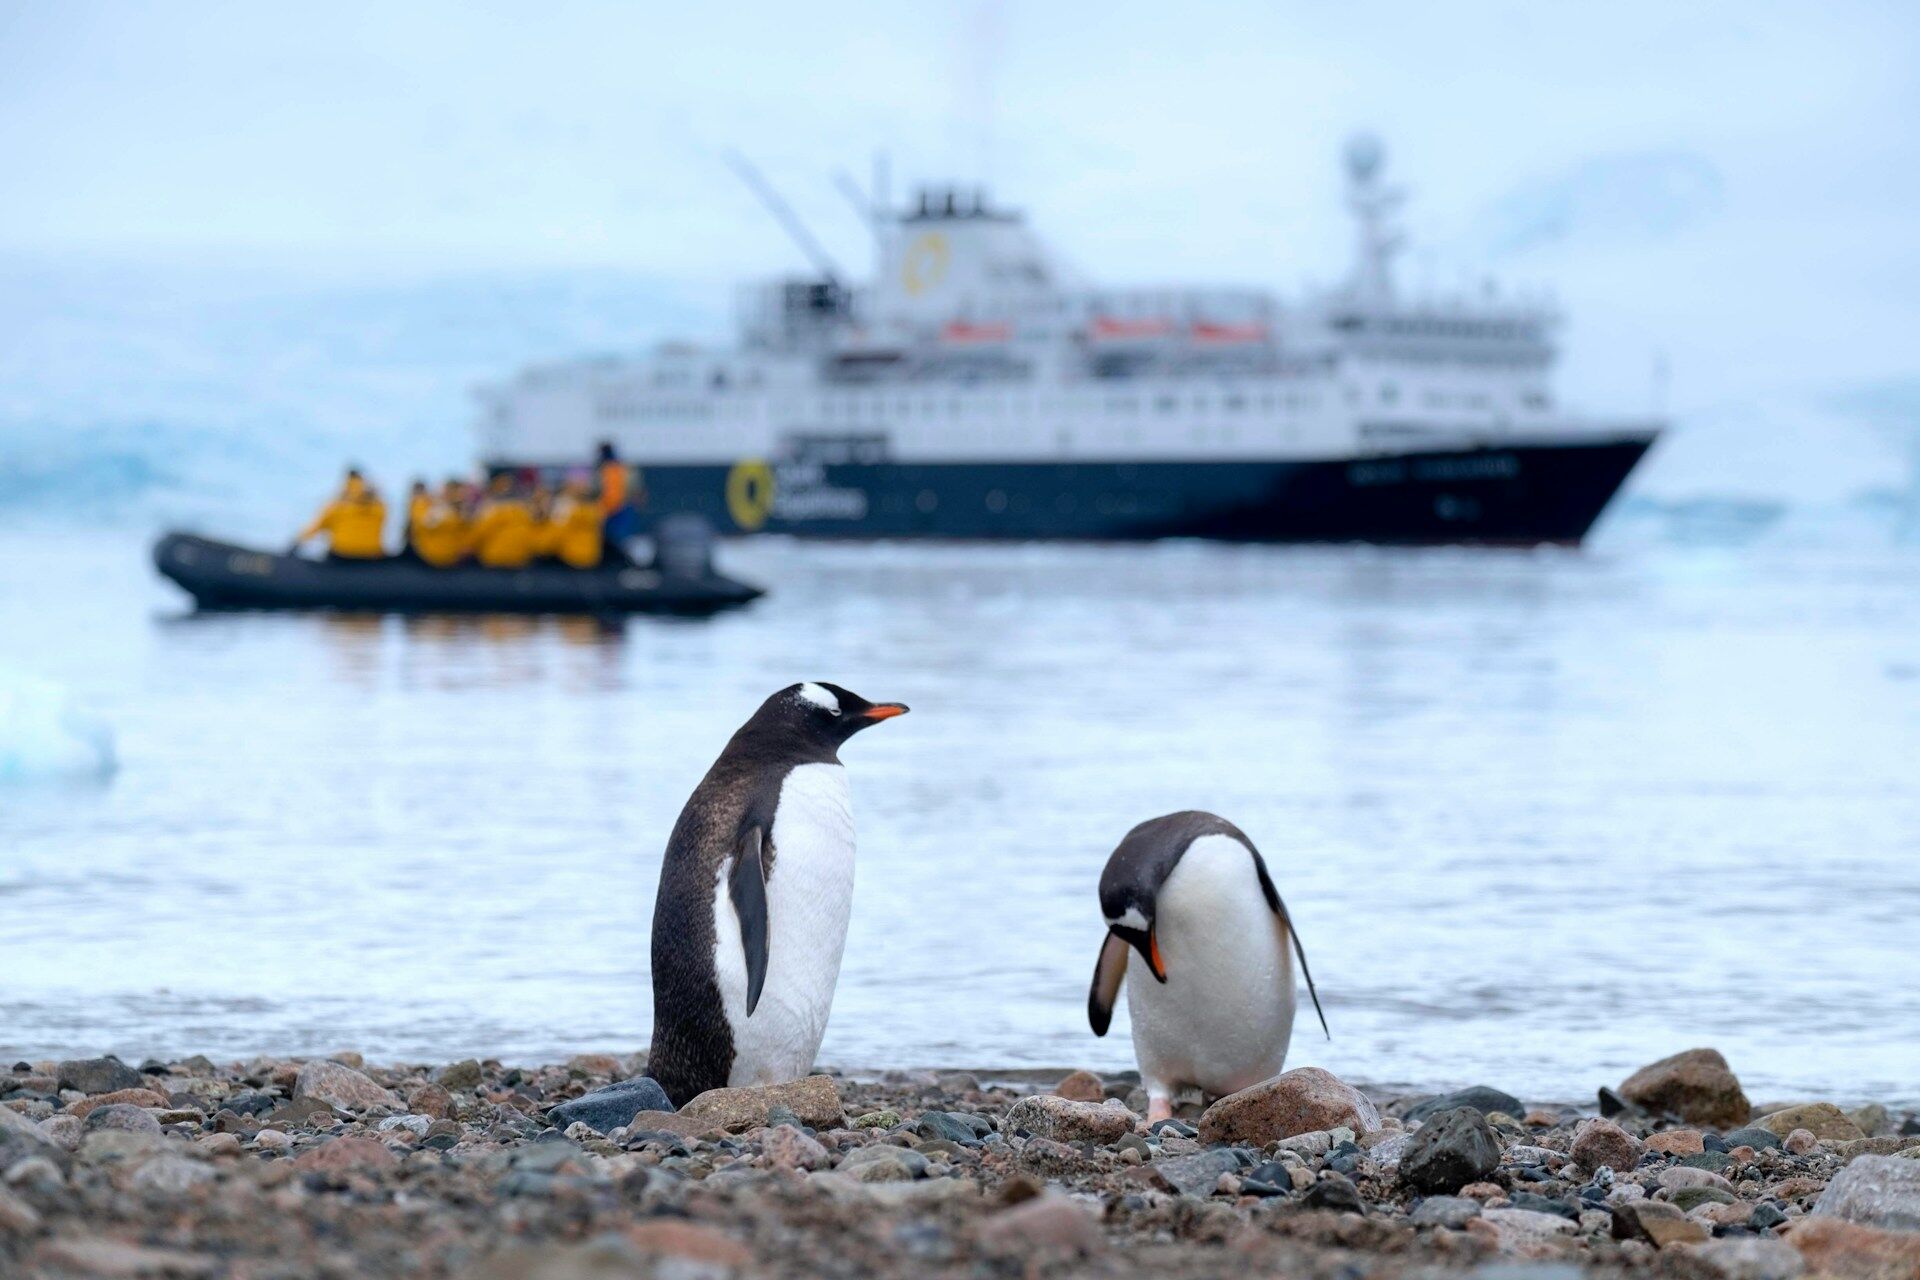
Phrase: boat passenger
(354, 523)
(443, 537)
(546, 536)
(503, 533)
(576, 521)
(620, 497)
(419, 502)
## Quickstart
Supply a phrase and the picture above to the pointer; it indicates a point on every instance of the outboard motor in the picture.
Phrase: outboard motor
(683, 546)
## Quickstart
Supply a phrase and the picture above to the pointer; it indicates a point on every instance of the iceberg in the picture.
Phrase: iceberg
(44, 734)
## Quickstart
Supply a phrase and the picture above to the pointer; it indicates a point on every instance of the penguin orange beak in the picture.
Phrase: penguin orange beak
(1147, 943)
(885, 710)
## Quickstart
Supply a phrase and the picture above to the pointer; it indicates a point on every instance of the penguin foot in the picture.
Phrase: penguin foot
(1159, 1107)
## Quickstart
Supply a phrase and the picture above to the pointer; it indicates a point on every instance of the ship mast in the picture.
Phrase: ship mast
(1373, 203)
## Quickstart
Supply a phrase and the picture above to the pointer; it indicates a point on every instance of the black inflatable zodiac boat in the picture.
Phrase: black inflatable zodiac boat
(222, 575)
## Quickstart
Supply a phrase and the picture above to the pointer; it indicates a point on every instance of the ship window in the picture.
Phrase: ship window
(1389, 393)
(1164, 403)
(1236, 402)
(996, 500)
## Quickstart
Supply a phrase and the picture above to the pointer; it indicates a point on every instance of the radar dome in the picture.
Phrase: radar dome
(1365, 152)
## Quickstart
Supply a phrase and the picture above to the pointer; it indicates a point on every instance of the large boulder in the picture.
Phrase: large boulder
(1750, 1258)
(814, 1100)
(1696, 1085)
(1601, 1144)
(1482, 1098)
(345, 1155)
(12, 1122)
(133, 1097)
(1082, 1086)
(1449, 1151)
(1823, 1120)
(97, 1075)
(1046, 1223)
(1878, 1191)
(1197, 1174)
(1525, 1232)
(1303, 1100)
(1064, 1120)
(339, 1085)
(1834, 1247)
(1657, 1223)
(606, 1109)
(121, 1115)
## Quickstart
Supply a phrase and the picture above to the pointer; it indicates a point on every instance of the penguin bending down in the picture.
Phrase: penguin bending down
(1191, 895)
(755, 891)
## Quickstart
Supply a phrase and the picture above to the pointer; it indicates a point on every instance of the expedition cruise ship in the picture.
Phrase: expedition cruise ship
(978, 388)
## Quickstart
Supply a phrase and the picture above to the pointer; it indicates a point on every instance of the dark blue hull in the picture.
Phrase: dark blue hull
(1517, 495)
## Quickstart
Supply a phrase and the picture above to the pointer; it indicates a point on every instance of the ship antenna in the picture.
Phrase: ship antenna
(1373, 204)
(784, 215)
(867, 207)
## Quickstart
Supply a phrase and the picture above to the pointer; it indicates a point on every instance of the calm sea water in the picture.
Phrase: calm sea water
(1540, 817)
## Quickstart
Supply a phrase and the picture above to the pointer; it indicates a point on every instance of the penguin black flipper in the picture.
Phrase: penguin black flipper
(1108, 970)
(747, 886)
(1279, 909)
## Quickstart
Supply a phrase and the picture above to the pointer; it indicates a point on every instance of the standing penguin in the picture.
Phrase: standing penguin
(755, 891)
(1190, 893)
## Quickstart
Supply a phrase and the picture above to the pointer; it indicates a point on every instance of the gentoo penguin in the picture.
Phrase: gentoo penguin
(755, 891)
(1191, 894)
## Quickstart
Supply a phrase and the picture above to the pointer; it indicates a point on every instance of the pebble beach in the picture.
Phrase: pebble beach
(333, 1167)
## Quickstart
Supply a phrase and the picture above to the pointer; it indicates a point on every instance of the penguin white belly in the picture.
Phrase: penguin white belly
(1222, 1019)
(809, 901)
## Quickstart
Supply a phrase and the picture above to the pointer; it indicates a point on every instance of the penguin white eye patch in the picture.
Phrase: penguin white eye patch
(819, 697)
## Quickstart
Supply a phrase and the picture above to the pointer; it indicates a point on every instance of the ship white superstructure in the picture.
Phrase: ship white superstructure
(974, 344)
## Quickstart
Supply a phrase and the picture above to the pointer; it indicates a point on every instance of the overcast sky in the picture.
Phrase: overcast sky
(1732, 184)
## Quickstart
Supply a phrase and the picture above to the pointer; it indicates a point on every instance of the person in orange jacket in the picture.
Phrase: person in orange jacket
(621, 495)
(354, 522)
(503, 533)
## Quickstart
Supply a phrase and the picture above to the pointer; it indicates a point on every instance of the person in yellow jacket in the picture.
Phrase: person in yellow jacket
(577, 524)
(443, 535)
(503, 534)
(546, 535)
(419, 502)
(354, 523)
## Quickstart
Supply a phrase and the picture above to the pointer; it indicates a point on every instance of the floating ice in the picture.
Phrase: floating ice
(43, 734)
